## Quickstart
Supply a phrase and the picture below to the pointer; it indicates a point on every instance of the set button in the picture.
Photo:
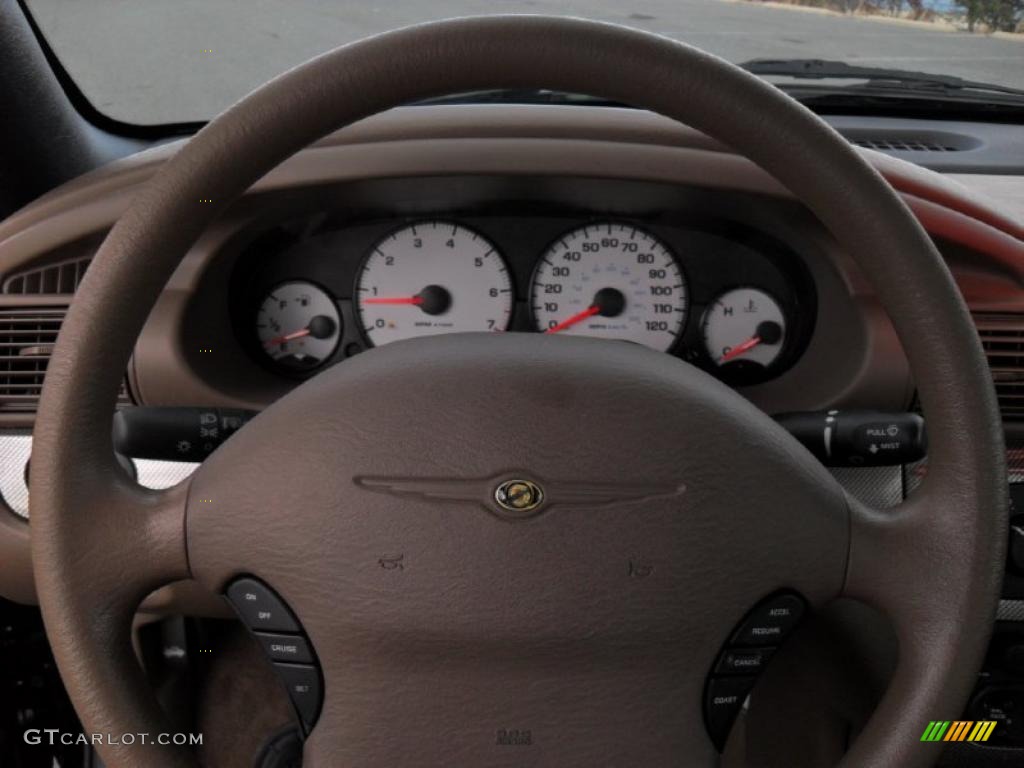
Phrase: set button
(303, 684)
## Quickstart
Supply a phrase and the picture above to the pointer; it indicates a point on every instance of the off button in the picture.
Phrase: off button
(259, 608)
(770, 622)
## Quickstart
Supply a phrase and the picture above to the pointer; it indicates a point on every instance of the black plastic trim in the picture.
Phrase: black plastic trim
(85, 108)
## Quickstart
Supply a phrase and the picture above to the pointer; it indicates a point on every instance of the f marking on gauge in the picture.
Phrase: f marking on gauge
(298, 326)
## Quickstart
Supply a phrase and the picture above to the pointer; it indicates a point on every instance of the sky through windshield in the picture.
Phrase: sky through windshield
(153, 61)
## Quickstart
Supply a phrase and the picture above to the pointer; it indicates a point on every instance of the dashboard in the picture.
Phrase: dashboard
(566, 220)
(731, 299)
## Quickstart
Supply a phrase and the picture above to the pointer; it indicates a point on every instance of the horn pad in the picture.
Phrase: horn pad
(579, 523)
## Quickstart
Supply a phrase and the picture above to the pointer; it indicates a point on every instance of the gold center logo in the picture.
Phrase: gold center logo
(519, 496)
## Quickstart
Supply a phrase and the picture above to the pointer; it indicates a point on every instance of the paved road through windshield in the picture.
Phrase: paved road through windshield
(152, 61)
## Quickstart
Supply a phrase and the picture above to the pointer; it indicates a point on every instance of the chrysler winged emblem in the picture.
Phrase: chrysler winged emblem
(519, 496)
(513, 495)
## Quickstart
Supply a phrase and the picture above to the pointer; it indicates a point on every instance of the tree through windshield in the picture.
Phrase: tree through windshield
(153, 62)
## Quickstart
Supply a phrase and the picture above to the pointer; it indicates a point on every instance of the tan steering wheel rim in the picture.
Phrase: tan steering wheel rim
(100, 543)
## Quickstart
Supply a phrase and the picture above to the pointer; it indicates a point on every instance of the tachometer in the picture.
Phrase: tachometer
(613, 281)
(432, 277)
(298, 326)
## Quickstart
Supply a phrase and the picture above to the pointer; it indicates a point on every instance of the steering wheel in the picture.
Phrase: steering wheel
(515, 621)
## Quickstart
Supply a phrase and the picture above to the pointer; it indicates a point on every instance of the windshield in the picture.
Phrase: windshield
(169, 61)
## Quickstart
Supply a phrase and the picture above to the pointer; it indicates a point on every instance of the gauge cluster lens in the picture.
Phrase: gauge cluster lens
(430, 278)
(608, 279)
(744, 325)
(611, 281)
(298, 326)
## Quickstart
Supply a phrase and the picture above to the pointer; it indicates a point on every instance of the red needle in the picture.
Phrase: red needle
(579, 317)
(414, 300)
(287, 337)
(740, 349)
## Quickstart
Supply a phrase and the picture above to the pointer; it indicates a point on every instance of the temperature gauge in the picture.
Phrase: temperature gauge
(298, 326)
(744, 326)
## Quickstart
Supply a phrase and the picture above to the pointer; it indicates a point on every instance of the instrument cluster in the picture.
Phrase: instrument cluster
(726, 298)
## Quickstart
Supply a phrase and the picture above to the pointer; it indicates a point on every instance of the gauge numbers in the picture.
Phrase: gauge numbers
(429, 278)
(612, 281)
(298, 326)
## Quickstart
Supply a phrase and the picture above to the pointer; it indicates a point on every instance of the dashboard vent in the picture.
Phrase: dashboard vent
(904, 145)
(1002, 337)
(26, 341)
(27, 336)
(62, 277)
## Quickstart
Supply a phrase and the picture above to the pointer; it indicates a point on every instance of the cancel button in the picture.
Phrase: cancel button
(285, 647)
(743, 661)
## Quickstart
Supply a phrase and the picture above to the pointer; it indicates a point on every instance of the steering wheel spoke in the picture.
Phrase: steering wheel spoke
(130, 541)
(917, 563)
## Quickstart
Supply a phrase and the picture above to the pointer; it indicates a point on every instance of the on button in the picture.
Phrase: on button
(259, 608)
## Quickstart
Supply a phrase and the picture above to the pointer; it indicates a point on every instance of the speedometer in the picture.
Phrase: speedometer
(614, 281)
(429, 278)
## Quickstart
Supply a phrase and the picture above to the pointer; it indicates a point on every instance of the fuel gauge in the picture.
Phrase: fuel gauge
(744, 327)
(298, 326)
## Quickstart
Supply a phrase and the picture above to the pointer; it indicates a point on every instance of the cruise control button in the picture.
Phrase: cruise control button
(259, 608)
(303, 684)
(771, 622)
(285, 647)
(725, 697)
(743, 661)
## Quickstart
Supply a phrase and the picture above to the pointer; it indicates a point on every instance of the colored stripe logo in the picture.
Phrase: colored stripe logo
(958, 730)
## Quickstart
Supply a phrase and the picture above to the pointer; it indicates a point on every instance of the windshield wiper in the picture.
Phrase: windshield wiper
(820, 69)
(873, 89)
(522, 96)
